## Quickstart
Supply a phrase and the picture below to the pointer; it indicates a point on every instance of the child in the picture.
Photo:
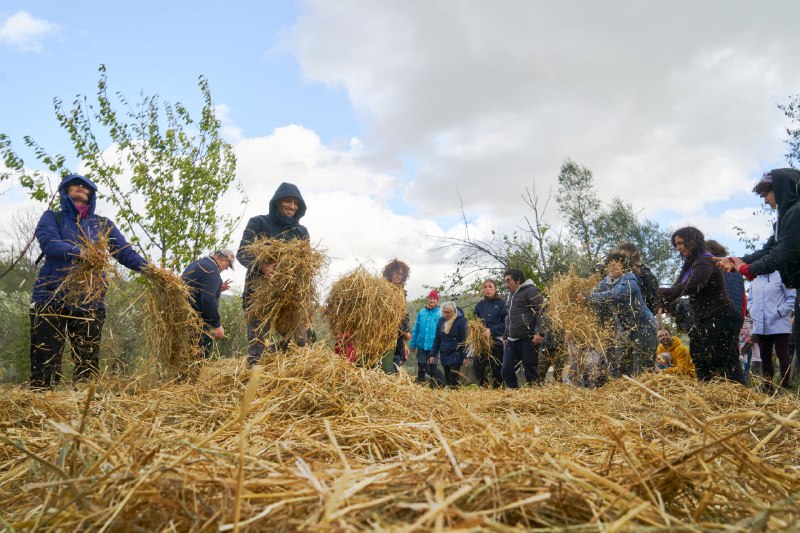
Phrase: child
(663, 361)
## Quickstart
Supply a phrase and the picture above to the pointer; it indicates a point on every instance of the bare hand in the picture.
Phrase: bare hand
(407, 335)
(225, 285)
(487, 332)
(737, 263)
(537, 340)
(218, 333)
(724, 263)
(432, 361)
(267, 270)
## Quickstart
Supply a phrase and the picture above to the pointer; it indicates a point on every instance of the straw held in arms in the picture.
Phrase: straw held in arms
(365, 310)
(285, 301)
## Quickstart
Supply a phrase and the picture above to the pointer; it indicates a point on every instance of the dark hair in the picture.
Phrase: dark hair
(762, 187)
(632, 251)
(694, 241)
(396, 266)
(716, 248)
(516, 274)
(622, 257)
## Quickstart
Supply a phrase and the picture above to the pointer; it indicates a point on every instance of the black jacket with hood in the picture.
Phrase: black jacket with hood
(782, 250)
(524, 319)
(275, 225)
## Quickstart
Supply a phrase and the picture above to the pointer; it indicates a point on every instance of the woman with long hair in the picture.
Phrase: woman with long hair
(715, 327)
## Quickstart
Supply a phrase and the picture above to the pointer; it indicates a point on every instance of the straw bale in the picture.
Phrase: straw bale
(172, 326)
(286, 301)
(477, 341)
(313, 442)
(365, 309)
(89, 277)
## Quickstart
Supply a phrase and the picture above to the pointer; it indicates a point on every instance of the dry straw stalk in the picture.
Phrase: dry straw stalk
(284, 303)
(172, 327)
(89, 277)
(321, 444)
(366, 310)
(477, 340)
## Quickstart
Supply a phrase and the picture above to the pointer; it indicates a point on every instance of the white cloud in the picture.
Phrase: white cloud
(26, 32)
(666, 109)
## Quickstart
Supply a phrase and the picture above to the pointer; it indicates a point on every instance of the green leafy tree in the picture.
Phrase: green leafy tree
(792, 112)
(178, 168)
(579, 205)
(543, 252)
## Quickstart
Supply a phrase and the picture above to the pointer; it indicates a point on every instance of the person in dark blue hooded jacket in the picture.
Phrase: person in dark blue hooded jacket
(52, 320)
(286, 208)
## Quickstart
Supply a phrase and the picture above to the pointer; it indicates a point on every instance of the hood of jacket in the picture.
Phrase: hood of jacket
(286, 190)
(67, 205)
(786, 184)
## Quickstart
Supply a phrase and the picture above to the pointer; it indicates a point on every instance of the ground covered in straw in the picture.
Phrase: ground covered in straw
(312, 442)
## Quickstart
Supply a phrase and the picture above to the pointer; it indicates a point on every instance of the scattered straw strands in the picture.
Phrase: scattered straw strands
(89, 277)
(172, 326)
(365, 309)
(286, 301)
(318, 443)
(477, 340)
(569, 312)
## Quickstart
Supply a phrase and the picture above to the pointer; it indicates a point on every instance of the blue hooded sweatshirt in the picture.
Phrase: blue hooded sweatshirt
(59, 241)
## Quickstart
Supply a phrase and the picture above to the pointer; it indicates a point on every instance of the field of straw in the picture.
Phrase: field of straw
(311, 442)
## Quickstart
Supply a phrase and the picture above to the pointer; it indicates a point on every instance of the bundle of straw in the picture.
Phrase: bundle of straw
(172, 326)
(365, 310)
(477, 340)
(89, 277)
(570, 314)
(285, 301)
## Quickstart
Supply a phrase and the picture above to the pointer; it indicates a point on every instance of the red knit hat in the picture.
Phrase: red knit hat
(433, 294)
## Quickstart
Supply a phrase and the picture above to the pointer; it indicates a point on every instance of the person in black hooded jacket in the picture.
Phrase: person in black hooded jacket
(282, 222)
(780, 189)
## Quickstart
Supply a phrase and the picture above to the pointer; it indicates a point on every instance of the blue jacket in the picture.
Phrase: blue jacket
(770, 304)
(425, 328)
(450, 346)
(624, 299)
(59, 240)
(493, 313)
(204, 281)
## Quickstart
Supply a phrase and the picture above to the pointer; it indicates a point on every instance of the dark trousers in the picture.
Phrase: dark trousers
(493, 363)
(781, 344)
(451, 374)
(258, 337)
(710, 345)
(523, 351)
(51, 326)
(424, 367)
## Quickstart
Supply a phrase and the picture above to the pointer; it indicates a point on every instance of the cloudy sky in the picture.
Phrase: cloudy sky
(388, 115)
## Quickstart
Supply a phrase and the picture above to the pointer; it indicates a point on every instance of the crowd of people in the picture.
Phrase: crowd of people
(729, 330)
